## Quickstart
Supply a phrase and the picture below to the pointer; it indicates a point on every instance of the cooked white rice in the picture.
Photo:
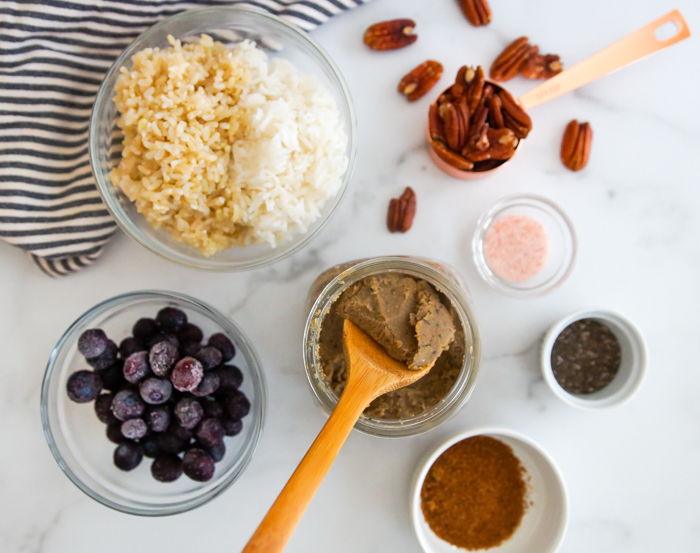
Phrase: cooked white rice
(223, 148)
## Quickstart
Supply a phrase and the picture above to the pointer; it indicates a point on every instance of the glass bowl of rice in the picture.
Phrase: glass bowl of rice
(222, 138)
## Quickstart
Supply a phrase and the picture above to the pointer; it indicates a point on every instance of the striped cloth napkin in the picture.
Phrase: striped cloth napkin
(53, 55)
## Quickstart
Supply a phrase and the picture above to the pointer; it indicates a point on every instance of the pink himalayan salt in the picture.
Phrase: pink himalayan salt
(516, 247)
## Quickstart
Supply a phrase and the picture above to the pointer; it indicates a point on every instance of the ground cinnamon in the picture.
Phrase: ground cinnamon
(474, 495)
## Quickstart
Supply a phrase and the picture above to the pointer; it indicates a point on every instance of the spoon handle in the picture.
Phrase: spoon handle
(632, 48)
(278, 525)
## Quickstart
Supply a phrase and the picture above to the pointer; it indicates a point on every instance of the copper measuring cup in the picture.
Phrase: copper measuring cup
(633, 47)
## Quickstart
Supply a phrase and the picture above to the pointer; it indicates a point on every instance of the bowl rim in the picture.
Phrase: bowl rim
(428, 459)
(303, 239)
(479, 234)
(637, 374)
(242, 344)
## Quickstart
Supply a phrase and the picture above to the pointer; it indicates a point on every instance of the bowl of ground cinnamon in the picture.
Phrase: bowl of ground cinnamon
(489, 489)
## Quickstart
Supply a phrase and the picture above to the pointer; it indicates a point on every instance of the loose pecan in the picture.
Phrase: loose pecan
(514, 117)
(402, 210)
(495, 115)
(437, 127)
(509, 62)
(452, 158)
(576, 145)
(475, 86)
(420, 80)
(390, 35)
(541, 67)
(477, 11)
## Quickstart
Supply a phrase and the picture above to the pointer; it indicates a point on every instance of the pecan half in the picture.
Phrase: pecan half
(576, 145)
(475, 80)
(502, 143)
(390, 35)
(495, 115)
(420, 80)
(514, 117)
(541, 67)
(478, 123)
(477, 11)
(509, 62)
(437, 127)
(402, 210)
(452, 158)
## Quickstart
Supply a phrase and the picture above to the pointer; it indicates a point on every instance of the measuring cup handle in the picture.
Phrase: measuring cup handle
(632, 48)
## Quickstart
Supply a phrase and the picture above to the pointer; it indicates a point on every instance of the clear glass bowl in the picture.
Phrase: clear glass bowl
(562, 244)
(231, 25)
(77, 438)
(328, 287)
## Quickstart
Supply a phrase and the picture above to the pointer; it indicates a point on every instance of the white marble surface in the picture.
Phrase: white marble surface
(632, 472)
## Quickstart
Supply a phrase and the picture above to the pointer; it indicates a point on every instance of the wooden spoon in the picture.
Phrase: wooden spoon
(371, 373)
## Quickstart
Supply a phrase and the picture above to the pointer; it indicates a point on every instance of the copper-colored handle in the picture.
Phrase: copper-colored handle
(632, 48)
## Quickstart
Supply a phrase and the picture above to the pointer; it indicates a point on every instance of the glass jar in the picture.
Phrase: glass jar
(329, 285)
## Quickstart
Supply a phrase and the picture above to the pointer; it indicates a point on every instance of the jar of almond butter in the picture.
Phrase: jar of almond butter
(428, 402)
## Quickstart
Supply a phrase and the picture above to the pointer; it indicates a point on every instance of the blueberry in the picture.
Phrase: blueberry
(134, 429)
(114, 433)
(208, 385)
(150, 446)
(223, 344)
(237, 404)
(158, 418)
(171, 319)
(144, 329)
(187, 374)
(167, 468)
(230, 377)
(181, 432)
(232, 427)
(188, 412)
(210, 432)
(127, 404)
(136, 367)
(113, 376)
(106, 358)
(162, 337)
(198, 464)
(190, 333)
(128, 455)
(217, 452)
(209, 357)
(163, 357)
(103, 410)
(190, 349)
(92, 343)
(84, 386)
(170, 443)
(212, 409)
(130, 345)
(155, 391)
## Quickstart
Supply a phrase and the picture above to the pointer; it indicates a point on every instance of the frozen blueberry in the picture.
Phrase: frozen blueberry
(84, 386)
(163, 357)
(170, 443)
(232, 427)
(103, 410)
(223, 344)
(128, 455)
(162, 337)
(113, 376)
(187, 374)
(212, 409)
(127, 404)
(190, 333)
(158, 418)
(134, 429)
(188, 412)
(155, 391)
(190, 349)
(150, 446)
(136, 367)
(171, 319)
(92, 343)
(209, 357)
(230, 377)
(167, 468)
(144, 329)
(210, 432)
(208, 385)
(106, 358)
(181, 432)
(217, 452)
(114, 433)
(130, 345)
(198, 464)
(237, 404)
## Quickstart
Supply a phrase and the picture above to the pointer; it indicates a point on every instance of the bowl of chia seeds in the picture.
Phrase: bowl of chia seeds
(594, 359)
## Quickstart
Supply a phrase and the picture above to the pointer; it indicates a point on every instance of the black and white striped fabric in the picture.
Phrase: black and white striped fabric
(53, 55)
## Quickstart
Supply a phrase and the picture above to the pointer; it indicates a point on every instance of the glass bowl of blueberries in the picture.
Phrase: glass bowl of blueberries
(153, 403)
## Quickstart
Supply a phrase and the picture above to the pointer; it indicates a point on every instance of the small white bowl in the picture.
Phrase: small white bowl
(632, 365)
(544, 525)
